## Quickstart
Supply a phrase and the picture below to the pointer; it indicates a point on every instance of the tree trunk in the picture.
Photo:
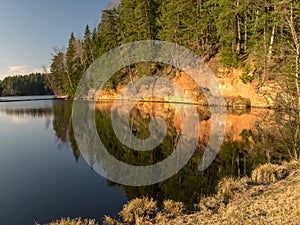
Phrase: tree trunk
(238, 48)
(271, 42)
(291, 24)
(246, 32)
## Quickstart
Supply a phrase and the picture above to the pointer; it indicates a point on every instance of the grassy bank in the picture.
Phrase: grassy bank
(270, 196)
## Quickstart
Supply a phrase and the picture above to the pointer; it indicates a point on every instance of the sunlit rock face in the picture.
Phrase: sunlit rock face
(231, 85)
(237, 94)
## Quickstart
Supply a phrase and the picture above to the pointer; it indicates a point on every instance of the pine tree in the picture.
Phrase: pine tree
(129, 27)
(88, 55)
(58, 72)
(75, 65)
(109, 30)
(70, 55)
(206, 29)
(178, 22)
(145, 16)
(138, 20)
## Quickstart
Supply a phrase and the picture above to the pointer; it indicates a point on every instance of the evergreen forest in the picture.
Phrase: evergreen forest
(26, 85)
(263, 35)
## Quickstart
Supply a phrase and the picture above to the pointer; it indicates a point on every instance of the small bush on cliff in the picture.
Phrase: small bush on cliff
(247, 76)
(229, 58)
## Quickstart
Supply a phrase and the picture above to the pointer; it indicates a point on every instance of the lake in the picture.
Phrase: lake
(44, 176)
(40, 178)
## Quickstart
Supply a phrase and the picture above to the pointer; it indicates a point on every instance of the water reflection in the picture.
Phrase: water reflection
(57, 112)
(62, 125)
(252, 136)
(39, 178)
(241, 151)
(37, 109)
(31, 113)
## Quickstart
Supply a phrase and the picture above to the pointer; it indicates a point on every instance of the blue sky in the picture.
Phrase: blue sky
(31, 28)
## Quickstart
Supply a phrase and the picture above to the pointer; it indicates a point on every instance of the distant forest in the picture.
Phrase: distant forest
(260, 36)
(25, 85)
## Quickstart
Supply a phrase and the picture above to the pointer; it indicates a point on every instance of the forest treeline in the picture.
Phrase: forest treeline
(25, 85)
(261, 36)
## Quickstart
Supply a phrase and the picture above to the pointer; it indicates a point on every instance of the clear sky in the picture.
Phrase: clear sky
(29, 29)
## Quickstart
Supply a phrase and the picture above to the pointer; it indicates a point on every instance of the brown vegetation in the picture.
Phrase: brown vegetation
(69, 221)
(270, 196)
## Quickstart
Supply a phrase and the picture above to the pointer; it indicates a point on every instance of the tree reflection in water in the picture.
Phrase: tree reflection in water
(249, 134)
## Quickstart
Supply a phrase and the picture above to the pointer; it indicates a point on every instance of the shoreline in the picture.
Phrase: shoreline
(270, 196)
(106, 100)
(40, 98)
(30, 98)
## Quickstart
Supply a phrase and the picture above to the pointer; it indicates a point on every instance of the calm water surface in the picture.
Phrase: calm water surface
(44, 177)
(40, 179)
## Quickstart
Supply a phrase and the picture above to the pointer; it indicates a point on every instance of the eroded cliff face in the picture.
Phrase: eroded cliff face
(259, 95)
(235, 92)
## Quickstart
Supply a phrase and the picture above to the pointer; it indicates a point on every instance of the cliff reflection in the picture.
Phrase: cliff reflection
(248, 138)
(239, 154)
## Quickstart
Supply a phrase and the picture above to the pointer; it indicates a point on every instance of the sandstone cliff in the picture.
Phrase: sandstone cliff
(237, 94)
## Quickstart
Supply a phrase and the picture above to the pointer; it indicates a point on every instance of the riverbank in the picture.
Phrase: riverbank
(30, 98)
(270, 196)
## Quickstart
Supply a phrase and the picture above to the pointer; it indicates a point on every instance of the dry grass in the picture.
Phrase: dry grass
(139, 211)
(271, 197)
(228, 187)
(269, 173)
(109, 221)
(173, 208)
(69, 221)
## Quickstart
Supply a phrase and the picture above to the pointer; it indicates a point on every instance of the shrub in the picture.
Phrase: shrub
(228, 186)
(173, 208)
(229, 58)
(271, 173)
(69, 221)
(139, 210)
(109, 221)
(247, 77)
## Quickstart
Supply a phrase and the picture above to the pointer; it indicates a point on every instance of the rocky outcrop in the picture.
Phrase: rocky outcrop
(230, 83)
(233, 98)
(236, 93)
